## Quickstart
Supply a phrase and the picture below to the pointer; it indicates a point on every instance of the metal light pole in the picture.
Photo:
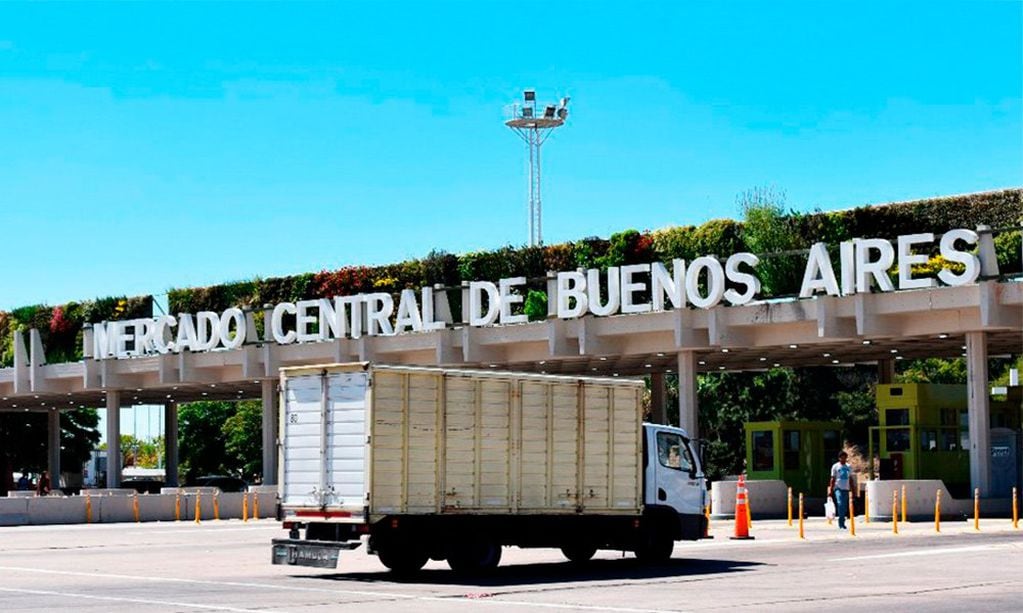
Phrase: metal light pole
(534, 128)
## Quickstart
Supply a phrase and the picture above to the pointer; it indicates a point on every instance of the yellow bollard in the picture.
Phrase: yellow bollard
(852, 518)
(866, 507)
(198, 507)
(255, 505)
(216, 506)
(801, 534)
(245, 507)
(903, 504)
(88, 509)
(135, 506)
(895, 512)
(976, 509)
(937, 511)
(706, 514)
(177, 506)
(1015, 510)
(789, 505)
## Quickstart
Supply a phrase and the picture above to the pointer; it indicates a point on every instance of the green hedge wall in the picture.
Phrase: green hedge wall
(721, 237)
(766, 229)
(60, 327)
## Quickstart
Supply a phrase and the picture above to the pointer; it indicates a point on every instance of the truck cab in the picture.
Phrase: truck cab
(674, 485)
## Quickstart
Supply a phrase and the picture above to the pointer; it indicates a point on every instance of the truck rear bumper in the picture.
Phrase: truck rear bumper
(318, 554)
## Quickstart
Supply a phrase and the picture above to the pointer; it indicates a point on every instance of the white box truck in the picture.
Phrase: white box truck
(448, 464)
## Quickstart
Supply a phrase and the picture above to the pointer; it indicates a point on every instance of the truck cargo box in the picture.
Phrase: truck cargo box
(360, 442)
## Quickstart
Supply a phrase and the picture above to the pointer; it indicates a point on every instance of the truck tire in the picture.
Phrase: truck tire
(402, 559)
(655, 547)
(475, 556)
(579, 553)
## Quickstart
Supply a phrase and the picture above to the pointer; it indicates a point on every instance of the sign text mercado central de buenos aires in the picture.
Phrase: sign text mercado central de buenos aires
(864, 263)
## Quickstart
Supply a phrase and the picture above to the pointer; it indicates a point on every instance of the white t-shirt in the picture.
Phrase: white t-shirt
(841, 474)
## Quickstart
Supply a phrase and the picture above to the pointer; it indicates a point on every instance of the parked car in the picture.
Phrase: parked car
(142, 485)
(225, 483)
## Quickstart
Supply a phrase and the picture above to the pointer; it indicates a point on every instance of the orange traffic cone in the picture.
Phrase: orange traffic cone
(742, 518)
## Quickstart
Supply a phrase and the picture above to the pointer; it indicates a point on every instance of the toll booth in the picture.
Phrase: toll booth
(800, 453)
(924, 434)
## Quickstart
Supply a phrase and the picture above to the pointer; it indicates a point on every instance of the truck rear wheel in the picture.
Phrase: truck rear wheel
(402, 559)
(579, 552)
(474, 556)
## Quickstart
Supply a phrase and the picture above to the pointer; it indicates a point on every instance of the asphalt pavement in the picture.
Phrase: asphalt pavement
(225, 566)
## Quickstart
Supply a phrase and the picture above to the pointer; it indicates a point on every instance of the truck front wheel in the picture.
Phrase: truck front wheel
(655, 547)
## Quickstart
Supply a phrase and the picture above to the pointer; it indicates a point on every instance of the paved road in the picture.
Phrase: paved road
(224, 566)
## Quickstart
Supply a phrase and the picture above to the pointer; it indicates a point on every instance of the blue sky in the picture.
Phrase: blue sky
(150, 146)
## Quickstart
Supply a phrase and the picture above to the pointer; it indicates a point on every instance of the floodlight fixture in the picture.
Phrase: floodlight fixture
(534, 130)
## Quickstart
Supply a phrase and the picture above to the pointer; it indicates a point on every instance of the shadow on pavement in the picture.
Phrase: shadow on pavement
(555, 572)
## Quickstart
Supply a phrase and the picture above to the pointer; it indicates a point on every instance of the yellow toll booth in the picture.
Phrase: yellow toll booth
(924, 432)
(800, 453)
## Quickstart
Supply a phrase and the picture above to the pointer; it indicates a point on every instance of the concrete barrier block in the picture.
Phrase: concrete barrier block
(767, 498)
(56, 510)
(156, 507)
(13, 511)
(112, 509)
(920, 495)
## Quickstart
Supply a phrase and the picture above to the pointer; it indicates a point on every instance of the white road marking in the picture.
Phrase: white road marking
(454, 599)
(166, 603)
(926, 552)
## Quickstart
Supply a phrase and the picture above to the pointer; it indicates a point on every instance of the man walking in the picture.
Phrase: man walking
(840, 485)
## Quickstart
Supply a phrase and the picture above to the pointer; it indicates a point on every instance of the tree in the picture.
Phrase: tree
(202, 447)
(243, 432)
(220, 437)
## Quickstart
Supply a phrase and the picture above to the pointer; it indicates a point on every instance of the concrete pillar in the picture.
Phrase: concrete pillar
(270, 421)
(170, 443)
(687, 407)
(658, 415)
(113, 438)
(885, 371)
(978, 411)
(53, 448)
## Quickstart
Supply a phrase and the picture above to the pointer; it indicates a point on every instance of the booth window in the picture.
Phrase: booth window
(928, 440)
(897, 417)
(791, 457)
(897, 439)
(763, 450)
(831, 444)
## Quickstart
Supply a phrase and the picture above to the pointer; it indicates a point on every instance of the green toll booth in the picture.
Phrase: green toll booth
(800, 453)
(924, 432)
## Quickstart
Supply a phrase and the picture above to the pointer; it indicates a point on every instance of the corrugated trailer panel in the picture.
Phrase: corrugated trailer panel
(421, 465)
(534, 435)
(463, 442)
(494, 444)
(461, 458)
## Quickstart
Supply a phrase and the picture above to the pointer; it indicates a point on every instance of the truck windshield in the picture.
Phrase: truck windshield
(673, 452)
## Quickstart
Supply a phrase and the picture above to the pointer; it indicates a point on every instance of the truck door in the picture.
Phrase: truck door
(674, 477)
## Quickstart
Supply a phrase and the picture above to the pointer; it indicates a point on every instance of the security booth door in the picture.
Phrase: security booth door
(676, 476)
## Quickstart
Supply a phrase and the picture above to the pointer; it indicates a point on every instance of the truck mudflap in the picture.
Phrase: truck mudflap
(318, 554)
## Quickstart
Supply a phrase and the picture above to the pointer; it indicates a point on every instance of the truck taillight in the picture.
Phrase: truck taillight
(288, 525)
